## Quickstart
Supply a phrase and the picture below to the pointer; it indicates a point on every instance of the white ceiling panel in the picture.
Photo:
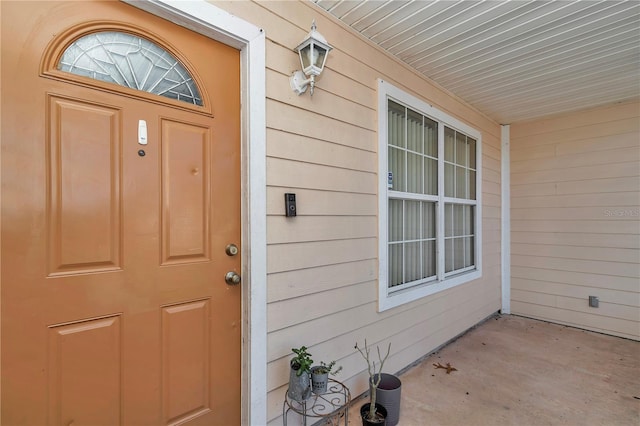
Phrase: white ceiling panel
(359, 11)
(380, 31)
(344, 7)
(385, 11)
(513, 60)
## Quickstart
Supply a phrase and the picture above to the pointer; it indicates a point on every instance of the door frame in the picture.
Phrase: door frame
(206, 19)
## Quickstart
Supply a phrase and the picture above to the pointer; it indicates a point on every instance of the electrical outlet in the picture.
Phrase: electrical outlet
(594, 301)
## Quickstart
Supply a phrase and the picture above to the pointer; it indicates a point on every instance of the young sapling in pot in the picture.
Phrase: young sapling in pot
(372, 415)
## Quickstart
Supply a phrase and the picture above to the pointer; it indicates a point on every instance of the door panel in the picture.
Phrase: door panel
(84, 172)
(185, 353)
(85, 385)
(114, 304)
(185, 192)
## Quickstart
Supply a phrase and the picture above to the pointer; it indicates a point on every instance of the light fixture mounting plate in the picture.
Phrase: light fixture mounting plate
(298, 82)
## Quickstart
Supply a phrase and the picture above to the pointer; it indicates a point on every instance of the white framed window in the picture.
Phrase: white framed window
(430, 205)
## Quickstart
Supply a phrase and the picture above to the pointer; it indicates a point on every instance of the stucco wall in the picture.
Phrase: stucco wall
(322, 264)
(575, 202)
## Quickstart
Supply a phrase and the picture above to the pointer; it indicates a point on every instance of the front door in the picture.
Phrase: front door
(120, 218)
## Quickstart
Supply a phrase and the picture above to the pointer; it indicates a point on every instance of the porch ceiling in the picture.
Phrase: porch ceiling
(512, 60)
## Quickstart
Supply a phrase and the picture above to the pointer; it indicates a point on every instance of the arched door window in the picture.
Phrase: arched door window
(130, 61)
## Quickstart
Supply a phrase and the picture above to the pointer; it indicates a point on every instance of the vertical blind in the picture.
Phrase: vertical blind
(413, 151)
(413, 163)
(460, 182)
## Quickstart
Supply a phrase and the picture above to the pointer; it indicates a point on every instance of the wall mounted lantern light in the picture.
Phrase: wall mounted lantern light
(313, 53)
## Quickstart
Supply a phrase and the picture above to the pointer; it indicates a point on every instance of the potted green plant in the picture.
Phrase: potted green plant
(320, 376)
(299, 374)
(372, 413)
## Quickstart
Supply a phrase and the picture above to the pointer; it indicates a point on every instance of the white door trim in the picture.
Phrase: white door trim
(215, 23)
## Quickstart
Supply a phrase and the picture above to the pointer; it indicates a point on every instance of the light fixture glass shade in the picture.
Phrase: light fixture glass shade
(313, 52)
(305, 57)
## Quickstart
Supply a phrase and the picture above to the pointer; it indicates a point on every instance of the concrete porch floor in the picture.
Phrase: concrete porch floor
(518, 371)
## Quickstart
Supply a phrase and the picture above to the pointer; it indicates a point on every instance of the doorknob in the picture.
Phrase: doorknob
(232, 278)
(231, 250)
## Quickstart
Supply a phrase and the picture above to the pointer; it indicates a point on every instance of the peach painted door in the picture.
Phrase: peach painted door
(115, 308)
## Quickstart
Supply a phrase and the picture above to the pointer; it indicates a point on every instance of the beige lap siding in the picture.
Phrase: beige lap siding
(575, 209)
(322, 265)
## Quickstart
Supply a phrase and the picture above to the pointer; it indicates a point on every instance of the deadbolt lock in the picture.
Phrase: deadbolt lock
(232, 278)
(231, 250)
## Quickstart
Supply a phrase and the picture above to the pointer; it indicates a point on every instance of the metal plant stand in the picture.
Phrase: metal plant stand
(331, 407)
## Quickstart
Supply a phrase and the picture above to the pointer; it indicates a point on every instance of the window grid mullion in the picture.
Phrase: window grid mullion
(462, 201)
(455, 163)
(406, 189)
(466, 168)
(440, 207)
(464, 239)
(397, 195)
(406, 149)
(424, 190)
(400, 277)
(422, 157)
(421, 234)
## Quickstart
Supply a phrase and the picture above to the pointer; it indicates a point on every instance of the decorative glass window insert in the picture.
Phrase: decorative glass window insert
(429, 199)
(130, 61)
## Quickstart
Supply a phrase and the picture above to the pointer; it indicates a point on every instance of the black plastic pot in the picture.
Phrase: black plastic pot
(380, 411)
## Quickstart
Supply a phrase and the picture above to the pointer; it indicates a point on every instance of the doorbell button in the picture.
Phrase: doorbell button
(290, 204)
(142, 132)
